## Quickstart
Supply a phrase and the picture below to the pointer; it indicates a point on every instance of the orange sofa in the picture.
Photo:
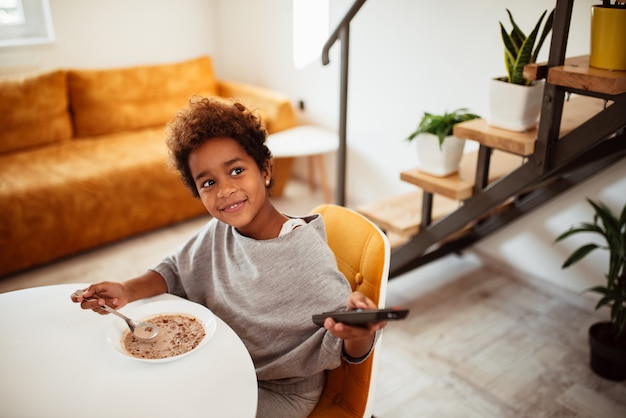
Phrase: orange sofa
(83, 159)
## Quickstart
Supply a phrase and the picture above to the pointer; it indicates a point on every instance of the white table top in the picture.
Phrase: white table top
(56, 362)
(302, 141)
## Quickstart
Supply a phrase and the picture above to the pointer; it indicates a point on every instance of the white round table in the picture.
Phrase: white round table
(306, 141)
(56, 362)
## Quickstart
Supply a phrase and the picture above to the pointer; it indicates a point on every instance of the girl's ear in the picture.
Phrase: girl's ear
(267, 171)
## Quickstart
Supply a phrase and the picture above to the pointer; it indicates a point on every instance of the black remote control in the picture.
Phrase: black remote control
(361, 317)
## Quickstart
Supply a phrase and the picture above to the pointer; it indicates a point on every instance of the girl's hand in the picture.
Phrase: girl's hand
(117, 295)
(358, 300)
(112, 294)
(357, 340)
(347, 332)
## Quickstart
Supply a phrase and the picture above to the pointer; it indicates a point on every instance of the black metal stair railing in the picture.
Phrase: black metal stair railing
(342, 33)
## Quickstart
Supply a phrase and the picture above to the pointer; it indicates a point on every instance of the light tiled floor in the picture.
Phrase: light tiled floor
(480, 341)
(490, 344)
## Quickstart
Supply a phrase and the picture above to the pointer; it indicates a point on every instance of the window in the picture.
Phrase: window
(11, 12)
(25, 22)
(310, 30)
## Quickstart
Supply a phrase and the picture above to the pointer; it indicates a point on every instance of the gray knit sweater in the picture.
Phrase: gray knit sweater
(266, 291)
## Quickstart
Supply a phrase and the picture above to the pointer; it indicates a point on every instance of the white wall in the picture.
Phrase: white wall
(406, 57)
(116, 33)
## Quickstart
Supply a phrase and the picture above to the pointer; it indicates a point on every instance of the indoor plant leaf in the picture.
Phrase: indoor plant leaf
(613, 229)
(579, 254)
(544, 34)
(441, 125)
(584, 227)
(519, 49)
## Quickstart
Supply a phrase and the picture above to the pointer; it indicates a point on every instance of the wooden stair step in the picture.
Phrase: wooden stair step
(519, 143)
(396, 240)
(460, 185)
(401, 216)
(539, 70)
(578, 74)
(575, 111)
(400, 222)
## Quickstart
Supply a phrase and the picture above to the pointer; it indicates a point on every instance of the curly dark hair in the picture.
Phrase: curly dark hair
(206, 118)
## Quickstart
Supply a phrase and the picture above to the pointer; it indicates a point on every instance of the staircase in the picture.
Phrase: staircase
(512, 172)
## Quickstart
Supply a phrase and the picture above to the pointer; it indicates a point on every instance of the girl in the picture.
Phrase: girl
(260, 271)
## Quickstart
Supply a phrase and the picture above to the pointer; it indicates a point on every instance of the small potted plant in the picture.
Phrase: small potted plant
(438, 151)
(515, 103)
(607, 340)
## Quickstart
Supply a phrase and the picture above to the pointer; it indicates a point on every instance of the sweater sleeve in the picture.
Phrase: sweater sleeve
(177, 268)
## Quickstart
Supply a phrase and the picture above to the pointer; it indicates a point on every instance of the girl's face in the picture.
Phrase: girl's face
(231, 186)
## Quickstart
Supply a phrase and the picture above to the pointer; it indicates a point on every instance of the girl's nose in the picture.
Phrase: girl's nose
(226, 189)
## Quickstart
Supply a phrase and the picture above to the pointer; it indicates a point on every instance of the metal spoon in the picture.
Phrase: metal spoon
(142, 330)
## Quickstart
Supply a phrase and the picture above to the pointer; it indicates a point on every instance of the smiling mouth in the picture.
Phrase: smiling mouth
(233, 207)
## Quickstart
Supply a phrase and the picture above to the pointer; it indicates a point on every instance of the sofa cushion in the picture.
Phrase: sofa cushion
(34, 111)
(59, 200)
(115, 100)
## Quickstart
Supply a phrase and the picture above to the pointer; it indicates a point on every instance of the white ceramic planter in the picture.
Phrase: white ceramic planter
(435, 161)
(514, 107)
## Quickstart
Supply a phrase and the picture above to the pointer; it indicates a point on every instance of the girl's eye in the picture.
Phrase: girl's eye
(207, 183)
(236, 171)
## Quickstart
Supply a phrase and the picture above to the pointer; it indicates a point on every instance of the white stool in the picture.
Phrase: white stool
(306, 141)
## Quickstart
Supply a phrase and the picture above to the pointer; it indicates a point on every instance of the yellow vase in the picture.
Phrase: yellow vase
(608, 38)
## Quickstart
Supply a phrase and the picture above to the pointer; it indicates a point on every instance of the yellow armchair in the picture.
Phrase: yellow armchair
(363, 254)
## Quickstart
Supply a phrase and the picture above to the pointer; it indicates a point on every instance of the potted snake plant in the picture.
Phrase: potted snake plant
(515, 103)
(439, 152)
(607, 339)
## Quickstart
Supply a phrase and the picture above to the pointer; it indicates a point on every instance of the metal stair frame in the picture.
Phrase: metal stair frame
(556, 165)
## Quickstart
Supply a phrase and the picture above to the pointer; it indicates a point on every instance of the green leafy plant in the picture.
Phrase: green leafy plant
(441, 125)
(520, 49)
(613, 230)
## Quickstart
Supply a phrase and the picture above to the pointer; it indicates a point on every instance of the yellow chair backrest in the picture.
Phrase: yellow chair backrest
(363, 252)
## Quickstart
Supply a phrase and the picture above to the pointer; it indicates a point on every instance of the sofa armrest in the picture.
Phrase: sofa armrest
(275, 108)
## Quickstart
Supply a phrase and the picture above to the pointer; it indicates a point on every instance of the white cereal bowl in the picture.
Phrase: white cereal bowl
(118, 327)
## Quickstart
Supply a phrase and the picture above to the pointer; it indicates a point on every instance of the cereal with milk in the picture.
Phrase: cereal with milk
(178, 334)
